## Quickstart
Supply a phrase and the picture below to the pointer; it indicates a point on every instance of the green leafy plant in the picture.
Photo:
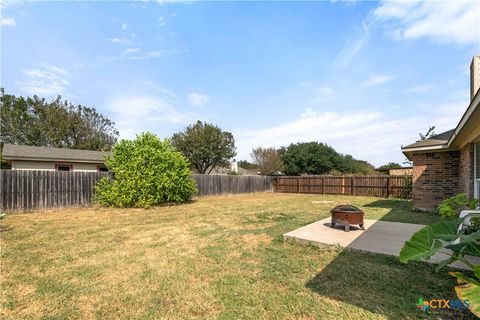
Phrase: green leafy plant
(147, 171)
(206, 146)
(450, 238)
(451, 207)
(2, 215)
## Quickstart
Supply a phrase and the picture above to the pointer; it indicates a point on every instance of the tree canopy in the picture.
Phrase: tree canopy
(205, 145)
(388, 166)
(35, 121)
(319, 158)
(147, 171)
(267, 160)
(247, 165)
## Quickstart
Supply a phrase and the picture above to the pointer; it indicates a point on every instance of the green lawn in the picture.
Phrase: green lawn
(214, 258)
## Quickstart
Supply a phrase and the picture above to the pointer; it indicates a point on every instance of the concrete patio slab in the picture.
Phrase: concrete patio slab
(379, 237)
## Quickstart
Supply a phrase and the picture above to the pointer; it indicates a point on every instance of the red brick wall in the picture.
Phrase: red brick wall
(435, 178)
(466, 170)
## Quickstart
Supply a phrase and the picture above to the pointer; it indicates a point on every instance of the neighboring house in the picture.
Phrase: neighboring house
(234, 169)
(402, 171)
(449, 163)
(22, 157)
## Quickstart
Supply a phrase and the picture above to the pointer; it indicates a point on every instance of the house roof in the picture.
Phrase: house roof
(466, 131)
(435, 140)
(31, 153)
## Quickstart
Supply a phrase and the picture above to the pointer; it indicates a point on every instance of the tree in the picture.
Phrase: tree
(267, 160)
(147, 171)
(388, 166)
(319, 158)
(308, 158)
(59, 123)
(364, 168)
(206, 146)
(247, 165)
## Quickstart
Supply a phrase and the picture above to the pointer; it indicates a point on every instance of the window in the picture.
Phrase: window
(63, 167)
(102, 169)
(430, 154)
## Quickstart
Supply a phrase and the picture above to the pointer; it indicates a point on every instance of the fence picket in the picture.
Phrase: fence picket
(378, 186)
(32, 190)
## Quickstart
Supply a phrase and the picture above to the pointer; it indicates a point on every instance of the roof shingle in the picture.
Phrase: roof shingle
(22, 152)
(439, 139)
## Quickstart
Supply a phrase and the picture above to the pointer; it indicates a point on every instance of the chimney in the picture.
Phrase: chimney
(234, 166)
(474, 76)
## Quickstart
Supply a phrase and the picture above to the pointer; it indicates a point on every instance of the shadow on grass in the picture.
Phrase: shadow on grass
(380, 284)
(401, 210)
(5, 228)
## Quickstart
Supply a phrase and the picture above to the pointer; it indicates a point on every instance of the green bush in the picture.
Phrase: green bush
(451, 235)
(147, 171)
(450, 208)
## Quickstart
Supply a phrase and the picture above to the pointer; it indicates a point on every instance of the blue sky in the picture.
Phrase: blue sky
(364, 77)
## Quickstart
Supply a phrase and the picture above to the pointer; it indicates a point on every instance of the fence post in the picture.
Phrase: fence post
(323, 185)
(388, 187)
(298, 184)
(352, 186)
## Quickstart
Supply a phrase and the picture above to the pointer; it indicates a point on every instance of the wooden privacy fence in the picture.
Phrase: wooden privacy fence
(27, 190)
(378, 186)
(220, 184)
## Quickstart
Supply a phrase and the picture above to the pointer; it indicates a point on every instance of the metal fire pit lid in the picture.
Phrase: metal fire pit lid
(346, 208)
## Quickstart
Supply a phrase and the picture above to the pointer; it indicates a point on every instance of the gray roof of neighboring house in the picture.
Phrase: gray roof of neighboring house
(21, 152)
(435, 140)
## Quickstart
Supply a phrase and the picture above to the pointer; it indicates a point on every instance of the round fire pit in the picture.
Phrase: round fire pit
(347, 215)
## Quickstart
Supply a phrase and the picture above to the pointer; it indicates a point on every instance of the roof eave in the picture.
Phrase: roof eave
(408, 152)
(468, 113)
(473, 106)
(14, 158)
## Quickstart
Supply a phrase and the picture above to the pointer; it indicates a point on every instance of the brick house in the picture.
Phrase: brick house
(449, 163)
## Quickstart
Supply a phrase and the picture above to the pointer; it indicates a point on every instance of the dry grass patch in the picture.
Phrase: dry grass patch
(215, 258)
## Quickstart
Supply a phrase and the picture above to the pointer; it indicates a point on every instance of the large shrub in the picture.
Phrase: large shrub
(147, 171)
(451, 207)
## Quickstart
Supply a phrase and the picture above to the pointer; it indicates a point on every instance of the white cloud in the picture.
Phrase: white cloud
(161, 22)
(45, 81)
(153, 108)
(374, 80)
(9, 3)
(326, 91)
(347, 3)
(197, 99)
(8, 22)
(354, 43)
(139, 54)
(119, 40)
(371, 136)
(172, 1)
(419, 88)
(440, 21)
(124, 26)
(154, 54)
(131, 50)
